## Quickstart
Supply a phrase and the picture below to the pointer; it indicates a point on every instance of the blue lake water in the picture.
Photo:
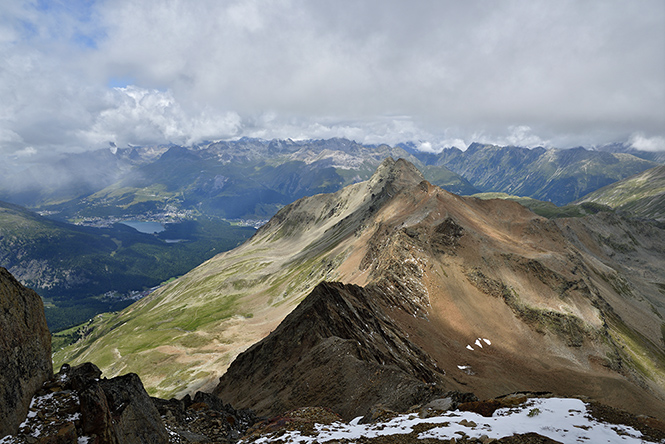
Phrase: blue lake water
(144, 227)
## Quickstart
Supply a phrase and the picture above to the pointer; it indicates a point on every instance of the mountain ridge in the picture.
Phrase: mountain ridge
(452, 270)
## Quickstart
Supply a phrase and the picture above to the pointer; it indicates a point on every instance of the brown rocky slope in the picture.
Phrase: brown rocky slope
(491, 298)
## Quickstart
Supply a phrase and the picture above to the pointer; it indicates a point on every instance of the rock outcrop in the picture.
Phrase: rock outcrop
(77, 405)
(205, 418)
(25, 350)
(338, 349)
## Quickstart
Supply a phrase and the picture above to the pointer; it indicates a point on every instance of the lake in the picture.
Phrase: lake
(144, 227)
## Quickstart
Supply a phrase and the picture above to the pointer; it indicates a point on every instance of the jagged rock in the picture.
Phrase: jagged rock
(135, 418)
(435, 407)
(337, 349)
(25, 350)
(77, 405)
(97, 420)
(203, 419)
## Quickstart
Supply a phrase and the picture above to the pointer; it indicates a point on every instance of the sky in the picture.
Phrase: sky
(77, 75)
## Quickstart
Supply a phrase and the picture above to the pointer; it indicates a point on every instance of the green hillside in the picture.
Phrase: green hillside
(642, 195)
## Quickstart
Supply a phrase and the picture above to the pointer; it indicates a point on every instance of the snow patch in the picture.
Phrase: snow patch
(355, 421)
(561, 419)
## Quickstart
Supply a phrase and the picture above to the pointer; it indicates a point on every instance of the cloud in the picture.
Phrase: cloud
(639, 142)
(79, 74)
(141, 116)
(26, 152)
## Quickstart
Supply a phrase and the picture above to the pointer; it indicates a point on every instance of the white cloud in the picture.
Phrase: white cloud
(425, 146)
(523, 136)
(26, 152)
(640, 142)
(520, 71)
(141, 116)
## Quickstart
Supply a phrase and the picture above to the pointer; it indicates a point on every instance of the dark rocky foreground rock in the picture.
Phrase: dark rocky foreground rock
(25, 350)
(205, 418)
(78, 404)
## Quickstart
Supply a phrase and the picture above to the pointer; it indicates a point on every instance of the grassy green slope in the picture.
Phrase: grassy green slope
(641, 195)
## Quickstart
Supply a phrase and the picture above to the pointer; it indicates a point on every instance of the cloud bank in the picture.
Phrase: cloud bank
(78, 75)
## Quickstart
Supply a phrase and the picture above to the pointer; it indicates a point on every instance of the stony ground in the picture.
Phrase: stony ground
(55, 417)
(552, 420)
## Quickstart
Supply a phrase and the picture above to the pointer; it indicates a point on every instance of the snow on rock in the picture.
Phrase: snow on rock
(561, 419)
(479, 343)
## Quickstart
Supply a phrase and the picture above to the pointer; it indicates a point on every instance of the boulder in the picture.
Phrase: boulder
(116, 410)
(25, 350)
(135, 417)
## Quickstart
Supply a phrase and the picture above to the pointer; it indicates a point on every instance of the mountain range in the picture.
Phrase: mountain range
(253, 178)
(410, 292)
(193, 190)
(553, 175)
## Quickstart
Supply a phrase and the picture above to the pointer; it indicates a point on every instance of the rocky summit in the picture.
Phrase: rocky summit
(405, 291)
(339, 348)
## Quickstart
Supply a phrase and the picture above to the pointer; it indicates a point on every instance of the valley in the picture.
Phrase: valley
(81, 271)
